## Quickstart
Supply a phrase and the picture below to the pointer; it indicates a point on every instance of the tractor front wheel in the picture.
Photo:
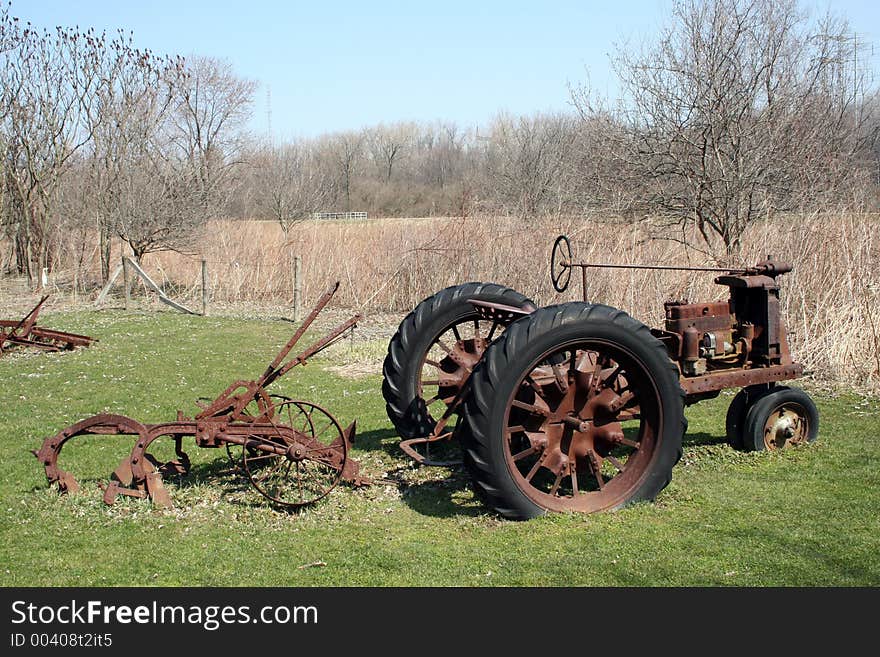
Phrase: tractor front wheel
(736, 412)
(784, 417)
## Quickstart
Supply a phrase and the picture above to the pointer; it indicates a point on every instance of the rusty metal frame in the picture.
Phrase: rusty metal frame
(761, 358)
(25, 333)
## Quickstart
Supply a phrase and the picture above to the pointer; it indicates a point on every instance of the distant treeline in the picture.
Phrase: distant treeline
(738, 110)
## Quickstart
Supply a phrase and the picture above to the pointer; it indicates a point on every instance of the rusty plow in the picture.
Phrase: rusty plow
(24, 332)
(293, 452)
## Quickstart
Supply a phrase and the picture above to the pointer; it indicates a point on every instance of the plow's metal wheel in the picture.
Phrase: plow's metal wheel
(314, 454)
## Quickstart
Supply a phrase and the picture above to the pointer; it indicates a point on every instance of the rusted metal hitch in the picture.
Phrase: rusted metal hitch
(294, 452)
(25, 333)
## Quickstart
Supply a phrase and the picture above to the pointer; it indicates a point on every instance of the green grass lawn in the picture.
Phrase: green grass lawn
(807, 516)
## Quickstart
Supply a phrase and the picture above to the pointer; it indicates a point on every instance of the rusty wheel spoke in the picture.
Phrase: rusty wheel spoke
(541, 394)
(312, 464)
(556, 482)
(595, 468)
(583, 360)
(534, 470)
(323, 430)
(561, 378)
(533, 385)
(263, 457)
(612, 378)
(269, 472)
(526, 452)
(596, 379)
(443, 345)
(529, 407)
(625, 399)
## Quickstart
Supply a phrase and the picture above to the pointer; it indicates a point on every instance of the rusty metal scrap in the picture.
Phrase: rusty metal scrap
(293, 452)
(24, 332)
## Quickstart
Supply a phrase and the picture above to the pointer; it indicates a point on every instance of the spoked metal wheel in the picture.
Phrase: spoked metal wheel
(254, 409)
(302, 460)
(446, 368)
(577, 408)
(581, 427)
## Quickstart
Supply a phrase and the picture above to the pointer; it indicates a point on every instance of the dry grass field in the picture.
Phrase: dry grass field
(386, 266)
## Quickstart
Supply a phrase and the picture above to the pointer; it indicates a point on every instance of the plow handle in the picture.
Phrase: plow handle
(270, 374)
(320, 345)
(278, 368)
(27, 322)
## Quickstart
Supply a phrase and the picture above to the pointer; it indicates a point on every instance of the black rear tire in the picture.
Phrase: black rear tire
(407, 350)
(533, 348)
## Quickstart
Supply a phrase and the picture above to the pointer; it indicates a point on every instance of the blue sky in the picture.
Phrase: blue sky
(331, 66)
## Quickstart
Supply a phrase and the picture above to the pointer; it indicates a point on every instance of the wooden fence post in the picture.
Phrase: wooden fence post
(297, 287)
(126, 281)
(204, 287)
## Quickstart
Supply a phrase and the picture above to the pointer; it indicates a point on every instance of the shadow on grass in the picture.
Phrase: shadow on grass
(437, 497)
(376, 440)
(444, 498)
(449, 497)
(434, 496)
(702, 438)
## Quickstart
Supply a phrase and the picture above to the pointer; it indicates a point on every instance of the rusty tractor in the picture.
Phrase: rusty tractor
(24, 332)
(294, 452)
(578, 406)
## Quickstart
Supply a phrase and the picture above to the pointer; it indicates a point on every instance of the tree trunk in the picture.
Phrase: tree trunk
(105, 247)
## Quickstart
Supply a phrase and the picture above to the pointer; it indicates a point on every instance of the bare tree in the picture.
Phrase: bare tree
(291, 183)
(48, 87)
(208, 123)
(155, 140)
(344, 151)
(527, 161)
(443, 149)
(388, 145)
(133, 101)
(159, 202)
(734, 113)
